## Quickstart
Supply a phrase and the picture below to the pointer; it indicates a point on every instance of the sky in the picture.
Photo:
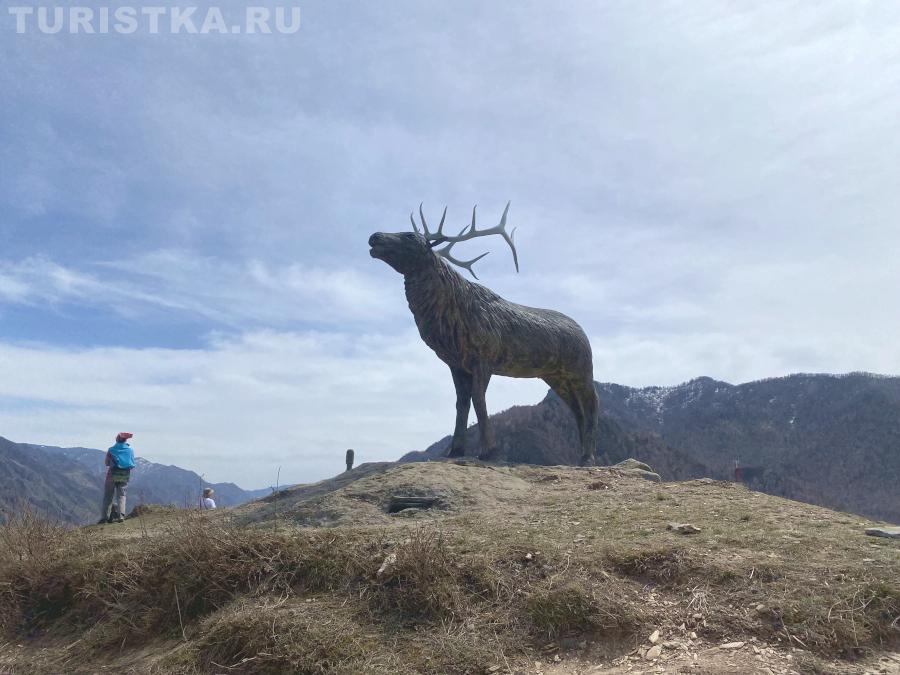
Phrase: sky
(708, 188)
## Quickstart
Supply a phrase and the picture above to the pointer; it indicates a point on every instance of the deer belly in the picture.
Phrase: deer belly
(545, 353)
(528, 363)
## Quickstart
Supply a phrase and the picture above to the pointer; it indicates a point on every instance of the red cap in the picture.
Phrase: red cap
(123, 436)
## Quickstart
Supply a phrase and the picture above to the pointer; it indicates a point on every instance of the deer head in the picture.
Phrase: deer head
(408, 251)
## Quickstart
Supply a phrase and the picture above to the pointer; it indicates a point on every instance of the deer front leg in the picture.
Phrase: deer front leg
(480, 380)
(463, 383)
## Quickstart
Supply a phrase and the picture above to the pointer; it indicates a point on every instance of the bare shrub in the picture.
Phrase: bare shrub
(26, 535)
(35, 551)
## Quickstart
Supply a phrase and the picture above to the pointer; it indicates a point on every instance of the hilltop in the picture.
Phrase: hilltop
(831, 440)
(511, 569)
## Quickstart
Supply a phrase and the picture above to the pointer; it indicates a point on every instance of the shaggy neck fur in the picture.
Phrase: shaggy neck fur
(434, 289)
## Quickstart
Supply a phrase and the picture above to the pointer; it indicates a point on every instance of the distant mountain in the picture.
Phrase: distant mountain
(832, 440)
(546, 434)
(67, 483)
(56, 486)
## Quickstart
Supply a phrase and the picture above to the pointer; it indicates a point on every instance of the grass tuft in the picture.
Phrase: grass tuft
(581, 608)
(661, 564)
(280, 636)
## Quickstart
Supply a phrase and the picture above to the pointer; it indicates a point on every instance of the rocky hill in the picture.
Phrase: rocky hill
(506, 569)
(832, 440)
(66, 483)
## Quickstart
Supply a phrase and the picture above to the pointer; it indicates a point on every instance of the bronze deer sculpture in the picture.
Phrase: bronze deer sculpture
(478, 334)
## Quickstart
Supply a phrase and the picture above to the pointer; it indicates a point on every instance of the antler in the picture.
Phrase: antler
(465, 264)
(430, 236)
(468, 232)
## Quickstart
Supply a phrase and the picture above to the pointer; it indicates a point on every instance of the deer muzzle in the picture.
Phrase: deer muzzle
(375, 241)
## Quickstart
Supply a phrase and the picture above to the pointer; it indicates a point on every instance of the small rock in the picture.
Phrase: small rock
(653, 653)
(760, 608)
(697, 616)
(654, 637)
(636, 468)
(731, 645)
(693, 635)
(673, 644)
(683, 528)
(492, 669)
(631, 463)
(889, 532)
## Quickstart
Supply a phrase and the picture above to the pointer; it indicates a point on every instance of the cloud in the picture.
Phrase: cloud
(12, 289)
(231, 294)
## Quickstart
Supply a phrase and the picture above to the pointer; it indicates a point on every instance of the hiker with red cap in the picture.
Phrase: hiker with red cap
(120, 460)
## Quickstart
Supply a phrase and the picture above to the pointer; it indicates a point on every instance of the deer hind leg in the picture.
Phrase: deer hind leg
(581, 400)
(480, 380)
(589, 405)
(463, 383)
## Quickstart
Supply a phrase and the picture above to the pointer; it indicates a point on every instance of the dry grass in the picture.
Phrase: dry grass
(27, 536)
(845, 618)
(213, 583)
(280, 636)
(453, 595)
(660, 564)
(580, 607)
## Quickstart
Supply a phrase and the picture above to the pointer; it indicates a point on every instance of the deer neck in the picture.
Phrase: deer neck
(433, 290)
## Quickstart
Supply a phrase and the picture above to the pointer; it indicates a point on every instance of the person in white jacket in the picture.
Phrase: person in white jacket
(207, 503)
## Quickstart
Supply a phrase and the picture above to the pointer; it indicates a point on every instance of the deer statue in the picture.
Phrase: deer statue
(478, 334)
